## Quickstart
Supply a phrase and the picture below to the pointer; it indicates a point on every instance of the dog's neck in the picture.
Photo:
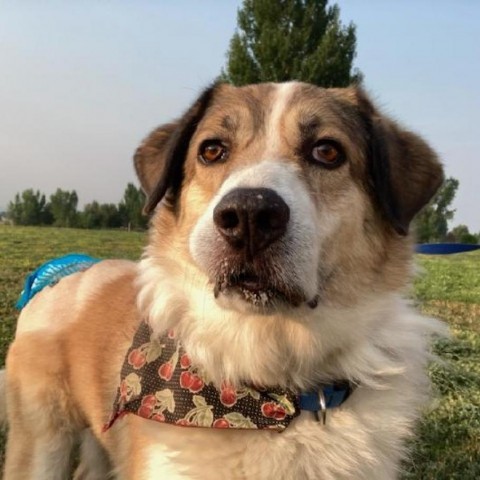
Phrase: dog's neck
(297, 351)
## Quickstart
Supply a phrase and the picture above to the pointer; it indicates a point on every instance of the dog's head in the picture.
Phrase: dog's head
(286, 195)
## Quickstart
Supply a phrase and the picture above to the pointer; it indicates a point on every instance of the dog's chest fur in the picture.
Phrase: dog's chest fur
(306, 449)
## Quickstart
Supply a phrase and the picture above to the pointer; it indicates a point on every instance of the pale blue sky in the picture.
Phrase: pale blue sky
(82, 82)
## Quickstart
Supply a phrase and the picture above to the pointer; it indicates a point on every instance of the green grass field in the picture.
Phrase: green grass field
(448, 441)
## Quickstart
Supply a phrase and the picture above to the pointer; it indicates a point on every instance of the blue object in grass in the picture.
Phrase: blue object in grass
(445, 248)
(51, 272)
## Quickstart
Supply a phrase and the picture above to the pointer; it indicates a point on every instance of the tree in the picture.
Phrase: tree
(131, 206)
(96, 215)
(63, 205)
(432, 222)
(281, 40)
(110, 216)
(461, 234)
(91, 216)
(29, 208)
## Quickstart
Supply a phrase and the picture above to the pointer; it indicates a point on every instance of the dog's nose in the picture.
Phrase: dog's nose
(251, 219)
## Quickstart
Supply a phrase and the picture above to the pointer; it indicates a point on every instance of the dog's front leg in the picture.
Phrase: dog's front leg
(41, 431)
(44, 458)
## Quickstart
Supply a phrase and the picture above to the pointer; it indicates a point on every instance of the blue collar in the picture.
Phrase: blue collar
(328, 396)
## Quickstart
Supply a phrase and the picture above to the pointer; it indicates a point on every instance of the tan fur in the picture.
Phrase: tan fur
(63, 367)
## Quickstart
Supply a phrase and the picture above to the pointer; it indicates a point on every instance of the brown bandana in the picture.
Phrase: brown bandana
(158, 382)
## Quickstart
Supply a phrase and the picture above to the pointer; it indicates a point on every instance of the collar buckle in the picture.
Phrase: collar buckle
(321, 414)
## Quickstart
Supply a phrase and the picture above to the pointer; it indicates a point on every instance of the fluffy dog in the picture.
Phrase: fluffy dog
(279, 253)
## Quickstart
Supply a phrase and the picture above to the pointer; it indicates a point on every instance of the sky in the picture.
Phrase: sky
(82, 83)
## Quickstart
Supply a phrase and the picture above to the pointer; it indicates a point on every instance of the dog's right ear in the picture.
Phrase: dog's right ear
(160, 158)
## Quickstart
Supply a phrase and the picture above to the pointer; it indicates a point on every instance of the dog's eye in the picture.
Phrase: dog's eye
(212, 151)
(328, 153)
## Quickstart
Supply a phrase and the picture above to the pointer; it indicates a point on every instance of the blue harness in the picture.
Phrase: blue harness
(51, 272)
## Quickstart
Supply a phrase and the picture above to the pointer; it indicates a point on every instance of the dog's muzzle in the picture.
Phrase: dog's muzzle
(251, 223)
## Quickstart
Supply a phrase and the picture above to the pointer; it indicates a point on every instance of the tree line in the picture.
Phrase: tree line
(61, 210)
(32, 208)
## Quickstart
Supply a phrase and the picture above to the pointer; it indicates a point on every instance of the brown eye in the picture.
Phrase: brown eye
(328, 153)
(212, 151)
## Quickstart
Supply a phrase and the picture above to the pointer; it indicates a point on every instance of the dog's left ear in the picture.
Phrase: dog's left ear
(404, 171)
(160, 158)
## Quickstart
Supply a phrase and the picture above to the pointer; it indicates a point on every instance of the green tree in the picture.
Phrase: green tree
(91, 216)
(110, 216)
(461, 234)
(432, 222)
(63, 205)
(281, 40)
(29, 208)
(96, 215)
(131, 206)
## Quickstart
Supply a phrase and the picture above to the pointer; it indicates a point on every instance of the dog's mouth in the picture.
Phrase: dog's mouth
(256, 289)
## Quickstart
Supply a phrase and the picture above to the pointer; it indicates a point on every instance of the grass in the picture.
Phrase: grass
(447, 446)
(23, 249)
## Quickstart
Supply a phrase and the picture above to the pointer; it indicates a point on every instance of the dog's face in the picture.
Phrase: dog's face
(281, 196)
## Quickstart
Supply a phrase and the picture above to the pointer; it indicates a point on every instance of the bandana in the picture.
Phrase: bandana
(158, 382)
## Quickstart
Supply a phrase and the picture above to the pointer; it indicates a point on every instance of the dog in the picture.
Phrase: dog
(280, 256)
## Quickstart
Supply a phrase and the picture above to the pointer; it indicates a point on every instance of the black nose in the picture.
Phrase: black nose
(251, 219)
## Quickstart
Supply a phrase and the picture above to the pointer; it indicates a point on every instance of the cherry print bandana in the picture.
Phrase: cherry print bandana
(158, 382)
